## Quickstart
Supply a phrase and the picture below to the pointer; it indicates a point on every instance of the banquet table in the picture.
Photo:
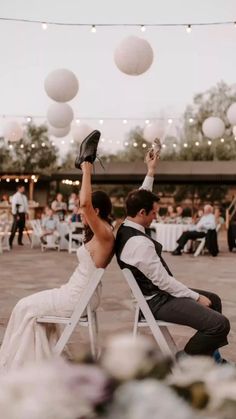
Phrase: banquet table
(168, 234)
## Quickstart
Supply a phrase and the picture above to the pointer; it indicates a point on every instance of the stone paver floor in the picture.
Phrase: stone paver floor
(24, 271)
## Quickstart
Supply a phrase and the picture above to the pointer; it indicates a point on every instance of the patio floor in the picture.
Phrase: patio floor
(24, 271)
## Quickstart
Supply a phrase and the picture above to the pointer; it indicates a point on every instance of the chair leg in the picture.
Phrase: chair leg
(169, 339)
(92, 332)
(136, 316)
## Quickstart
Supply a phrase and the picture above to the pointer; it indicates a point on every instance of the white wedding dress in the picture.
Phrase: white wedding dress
(26, 340)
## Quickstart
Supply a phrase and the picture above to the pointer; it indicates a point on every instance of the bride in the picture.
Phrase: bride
(26, 340)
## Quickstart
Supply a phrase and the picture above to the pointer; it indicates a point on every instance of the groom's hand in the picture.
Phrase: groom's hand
(151, 161)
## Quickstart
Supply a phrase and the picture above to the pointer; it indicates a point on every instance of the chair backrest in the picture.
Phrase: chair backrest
(87, 294)
(158, 334)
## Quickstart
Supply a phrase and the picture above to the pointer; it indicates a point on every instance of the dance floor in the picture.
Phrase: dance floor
(24, 271)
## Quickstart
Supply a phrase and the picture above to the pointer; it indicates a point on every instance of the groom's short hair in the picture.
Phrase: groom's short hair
(140, 199)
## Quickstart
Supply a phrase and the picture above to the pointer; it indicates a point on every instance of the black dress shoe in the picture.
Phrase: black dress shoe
(88, 149)
(176, 252)
(20, 244)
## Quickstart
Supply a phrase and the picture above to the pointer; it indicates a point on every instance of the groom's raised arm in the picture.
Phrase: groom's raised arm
(151, 162)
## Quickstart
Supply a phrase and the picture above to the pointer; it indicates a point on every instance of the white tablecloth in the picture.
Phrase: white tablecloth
(168, 234)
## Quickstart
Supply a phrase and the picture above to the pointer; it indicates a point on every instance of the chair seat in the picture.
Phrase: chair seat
(143, 322)
(64, 320)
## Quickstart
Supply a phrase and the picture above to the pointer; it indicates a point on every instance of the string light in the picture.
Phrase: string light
(62, 142)
(102, 140)
(174, 145)
(33, 177)
(33, 145)
(191, 120)
(43, 144)
(28, 119)
(125, 121)
(7, 179)
(17, 180)
(72, 141)
(143, 28)
(147, 121)
(101, 121)
(188, 28)
(164, 145)
(209, 142)
(222, 140)
(185, 145)
(138, 25)
(22, 146)
(77, 121)
(197, 143)
(93, 29)
(10, 146)
(144, 145)
(26, 180)
(126, 143)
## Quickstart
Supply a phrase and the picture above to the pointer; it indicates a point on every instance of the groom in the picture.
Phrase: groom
(168, 299)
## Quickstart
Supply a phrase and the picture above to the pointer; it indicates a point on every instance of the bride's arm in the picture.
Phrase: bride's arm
(86, 207)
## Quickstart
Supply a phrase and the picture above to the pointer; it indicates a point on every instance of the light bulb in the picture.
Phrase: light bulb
(209, 142)
(174, 145)
(93, 29)
(191, 120)
(44, 26)
(197, 143)
(125, 121)
(222, 140)
(135, 144)
(147, 121)
(101, 121)
(188, 28)
(143, 28)
(144, 145)
(185, 145)
(77, 121)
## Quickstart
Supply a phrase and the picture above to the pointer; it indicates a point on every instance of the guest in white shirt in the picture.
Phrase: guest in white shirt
(19, 210)
(50, 226)
(169, 299)
(206, 222)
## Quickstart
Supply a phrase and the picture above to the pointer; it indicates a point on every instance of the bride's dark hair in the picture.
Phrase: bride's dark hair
(102, 202)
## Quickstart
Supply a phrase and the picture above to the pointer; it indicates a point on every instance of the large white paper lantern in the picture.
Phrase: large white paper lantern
(61, 85)
(213, 127)
(59, 115)
(133, 56)
(152, 131)
(231, 114)
(58, 132)
(12, 131)
(79, 132)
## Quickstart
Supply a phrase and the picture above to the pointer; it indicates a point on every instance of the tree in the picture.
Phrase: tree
(35, 152)
(6, 161)
(213, 102)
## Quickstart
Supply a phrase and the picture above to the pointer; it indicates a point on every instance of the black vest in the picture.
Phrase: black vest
(147, 287)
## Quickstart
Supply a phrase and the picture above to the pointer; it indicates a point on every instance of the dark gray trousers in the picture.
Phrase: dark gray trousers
(212, 326)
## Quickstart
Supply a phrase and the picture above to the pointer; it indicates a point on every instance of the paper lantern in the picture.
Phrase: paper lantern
(59, 132)
(12, 131)
(61, 85)
(231, 114)
(213, 127)
(59, 115)
(133, 56)
(152, 131)
(80, 132)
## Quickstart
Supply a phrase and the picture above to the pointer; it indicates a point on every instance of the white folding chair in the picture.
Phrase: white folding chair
(202, 243)
(77, 317)
(75, 236)
(4, 237)
(37, 233)
(158, 328)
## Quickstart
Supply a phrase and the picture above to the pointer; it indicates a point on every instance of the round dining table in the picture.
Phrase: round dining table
(168, 234)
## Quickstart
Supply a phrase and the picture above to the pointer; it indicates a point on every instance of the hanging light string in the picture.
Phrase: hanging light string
(142, 26)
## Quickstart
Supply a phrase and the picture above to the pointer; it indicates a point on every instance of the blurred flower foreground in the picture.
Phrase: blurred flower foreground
(130, 381)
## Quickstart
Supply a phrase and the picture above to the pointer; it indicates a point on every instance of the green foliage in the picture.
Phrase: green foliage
(213, 102)
(6, 161)
(41, 158)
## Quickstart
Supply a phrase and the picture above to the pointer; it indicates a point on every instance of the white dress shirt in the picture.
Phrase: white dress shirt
(139, 251)
(21, 200)
(206, 222)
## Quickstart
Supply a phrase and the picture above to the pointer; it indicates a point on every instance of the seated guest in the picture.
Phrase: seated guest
(75, 218)
(59, 207)
(168, 299)
(179, 214)
(73, 201)
(50, 224)
(206, 222)
(5, 202)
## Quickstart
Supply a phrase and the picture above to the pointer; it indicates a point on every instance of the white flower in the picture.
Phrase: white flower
(148, 399)
(191, 369)
(51, 390)
(125, 357)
